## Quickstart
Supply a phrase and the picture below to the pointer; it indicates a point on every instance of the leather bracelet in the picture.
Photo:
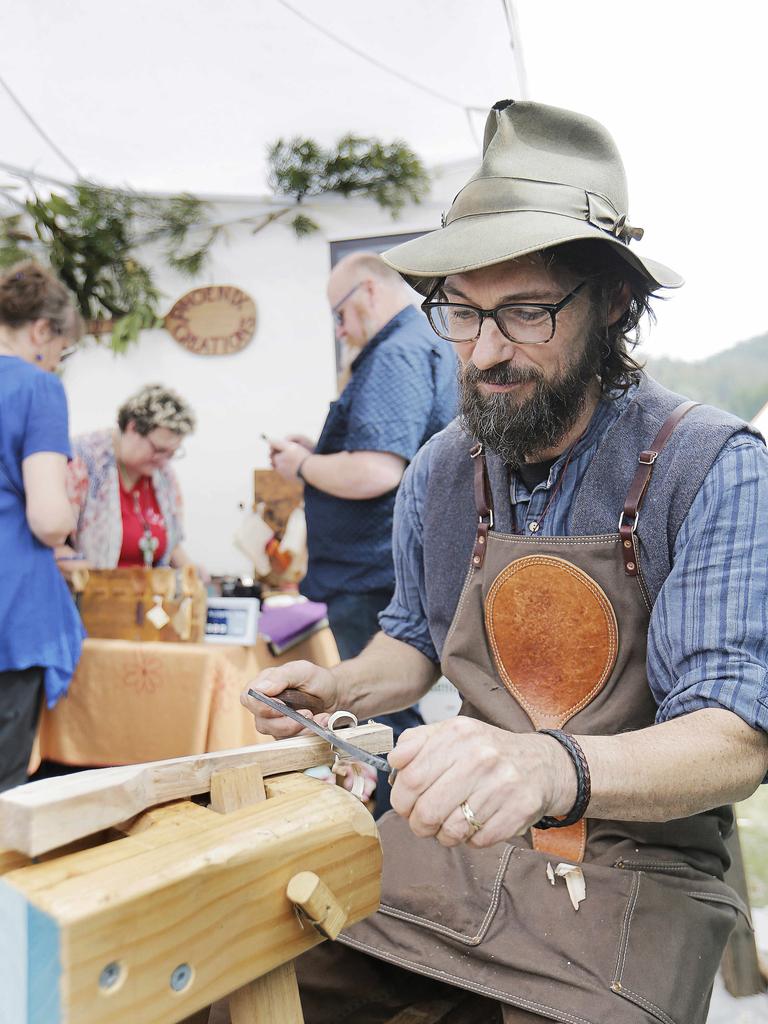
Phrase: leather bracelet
(583, 781)
(299, 473)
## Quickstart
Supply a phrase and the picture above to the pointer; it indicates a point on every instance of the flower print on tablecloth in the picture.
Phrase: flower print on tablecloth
(227, 684)
(144, 675)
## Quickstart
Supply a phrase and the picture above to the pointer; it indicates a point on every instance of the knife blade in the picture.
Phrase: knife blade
(379, 763)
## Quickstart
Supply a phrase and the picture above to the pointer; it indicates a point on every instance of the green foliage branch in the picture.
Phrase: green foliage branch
(90, 236)
(389, 173)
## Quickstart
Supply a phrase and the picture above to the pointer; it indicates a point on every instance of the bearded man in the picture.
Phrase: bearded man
(583, 554)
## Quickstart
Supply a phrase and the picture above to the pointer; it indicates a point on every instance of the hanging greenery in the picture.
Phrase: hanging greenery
(91, 235)
(12, 240)
(389, 173)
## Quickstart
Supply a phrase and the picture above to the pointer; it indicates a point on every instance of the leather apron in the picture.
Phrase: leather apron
(551, 632)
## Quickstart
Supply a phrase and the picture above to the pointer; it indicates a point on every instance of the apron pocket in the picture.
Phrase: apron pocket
(454, 891)
(638, 948)
(499, 927)
(671, 942)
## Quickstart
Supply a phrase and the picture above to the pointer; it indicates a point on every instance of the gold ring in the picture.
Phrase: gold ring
(472, 821)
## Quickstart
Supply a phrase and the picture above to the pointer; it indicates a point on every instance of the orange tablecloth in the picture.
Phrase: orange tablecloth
(133, 702)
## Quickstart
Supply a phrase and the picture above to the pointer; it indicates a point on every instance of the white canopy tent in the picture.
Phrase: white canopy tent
(186, 95)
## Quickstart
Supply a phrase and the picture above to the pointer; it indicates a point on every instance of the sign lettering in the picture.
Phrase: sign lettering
(217, 320)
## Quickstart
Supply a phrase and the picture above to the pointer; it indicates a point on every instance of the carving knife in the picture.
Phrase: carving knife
(379, 763)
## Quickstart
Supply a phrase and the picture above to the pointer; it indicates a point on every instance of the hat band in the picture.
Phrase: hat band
(520, 195)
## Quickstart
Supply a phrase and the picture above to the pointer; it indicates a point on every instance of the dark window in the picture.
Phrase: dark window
(377, 243)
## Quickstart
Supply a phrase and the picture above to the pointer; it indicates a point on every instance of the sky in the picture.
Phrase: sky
(186, 95)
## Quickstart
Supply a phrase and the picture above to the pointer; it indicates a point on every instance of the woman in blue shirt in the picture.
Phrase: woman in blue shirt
(40, 629)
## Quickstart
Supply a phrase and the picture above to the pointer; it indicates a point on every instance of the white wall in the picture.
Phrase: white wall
(281, 383)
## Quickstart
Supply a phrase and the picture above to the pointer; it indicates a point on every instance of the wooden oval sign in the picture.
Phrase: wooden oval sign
(213, 321)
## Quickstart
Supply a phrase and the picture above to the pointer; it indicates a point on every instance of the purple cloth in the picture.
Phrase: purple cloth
(288, 623)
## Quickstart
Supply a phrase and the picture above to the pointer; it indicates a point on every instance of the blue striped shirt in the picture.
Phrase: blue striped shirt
(708, 635)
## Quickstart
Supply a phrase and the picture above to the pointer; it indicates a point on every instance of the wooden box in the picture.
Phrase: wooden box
(128, 604)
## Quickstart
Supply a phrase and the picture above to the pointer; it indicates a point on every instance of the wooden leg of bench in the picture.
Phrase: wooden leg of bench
(275, 997)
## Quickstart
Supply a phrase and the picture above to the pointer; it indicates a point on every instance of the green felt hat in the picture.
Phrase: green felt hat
(548, 176)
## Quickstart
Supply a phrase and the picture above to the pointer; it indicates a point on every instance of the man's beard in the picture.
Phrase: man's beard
(516, 429)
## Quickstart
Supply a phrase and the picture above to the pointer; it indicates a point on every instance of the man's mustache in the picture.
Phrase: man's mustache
(501, 373)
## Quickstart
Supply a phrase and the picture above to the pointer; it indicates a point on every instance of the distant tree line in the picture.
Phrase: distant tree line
(735, 380)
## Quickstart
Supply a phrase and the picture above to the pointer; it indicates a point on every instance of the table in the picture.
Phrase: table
(134, 702)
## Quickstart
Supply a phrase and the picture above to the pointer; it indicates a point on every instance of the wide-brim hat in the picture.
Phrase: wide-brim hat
(548, 176)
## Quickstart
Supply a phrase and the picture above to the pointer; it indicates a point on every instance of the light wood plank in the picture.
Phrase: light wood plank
(292, 783)
(53, 868)
(180, 813)
(47, 814)
(12, 859)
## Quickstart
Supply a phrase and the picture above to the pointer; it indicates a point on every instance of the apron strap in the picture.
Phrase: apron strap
(483, 505)
(630, 515)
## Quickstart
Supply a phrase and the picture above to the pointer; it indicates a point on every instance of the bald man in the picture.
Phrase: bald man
(401, 390)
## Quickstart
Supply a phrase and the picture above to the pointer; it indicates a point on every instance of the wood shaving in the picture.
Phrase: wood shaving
(574, 880)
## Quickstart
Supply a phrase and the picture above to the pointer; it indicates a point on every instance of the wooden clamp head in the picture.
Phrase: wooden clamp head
(317, 903)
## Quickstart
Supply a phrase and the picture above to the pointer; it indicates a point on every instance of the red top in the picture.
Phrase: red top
(140, 513)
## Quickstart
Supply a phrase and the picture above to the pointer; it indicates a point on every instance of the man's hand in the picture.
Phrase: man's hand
(509, 781)
(296, 675)
(303, 440)
(286, 457)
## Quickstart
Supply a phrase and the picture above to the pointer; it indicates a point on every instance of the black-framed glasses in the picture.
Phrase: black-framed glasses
(525, 323)
(337, 312)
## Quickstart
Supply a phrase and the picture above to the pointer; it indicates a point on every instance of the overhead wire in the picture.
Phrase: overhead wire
(374, 60)
(515, 44)
(29, 174)
(40, 131)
